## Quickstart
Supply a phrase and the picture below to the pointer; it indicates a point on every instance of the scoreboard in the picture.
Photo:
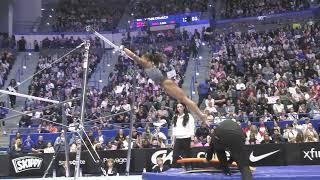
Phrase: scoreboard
(179, 20)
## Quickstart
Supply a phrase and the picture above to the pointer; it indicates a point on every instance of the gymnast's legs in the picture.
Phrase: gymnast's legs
(175, 91)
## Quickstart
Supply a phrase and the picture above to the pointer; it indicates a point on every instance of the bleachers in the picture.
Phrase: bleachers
(51, 137)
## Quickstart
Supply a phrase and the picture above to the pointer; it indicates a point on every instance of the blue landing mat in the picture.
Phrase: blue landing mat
(266, 172)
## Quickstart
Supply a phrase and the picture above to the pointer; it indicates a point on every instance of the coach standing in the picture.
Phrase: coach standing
(182, 133)
(228, 135)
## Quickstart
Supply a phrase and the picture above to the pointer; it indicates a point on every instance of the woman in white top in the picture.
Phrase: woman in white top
(182, 133)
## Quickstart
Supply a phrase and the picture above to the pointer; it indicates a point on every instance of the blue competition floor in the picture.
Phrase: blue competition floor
(267, 172)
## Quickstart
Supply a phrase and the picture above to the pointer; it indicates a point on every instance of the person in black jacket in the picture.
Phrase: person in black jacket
(110, 169)
(203, 131)
(228, 135)
(161, 167)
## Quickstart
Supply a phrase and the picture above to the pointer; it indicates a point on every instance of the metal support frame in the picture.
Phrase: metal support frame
(66, 142)
(132, 116)
(83, 106)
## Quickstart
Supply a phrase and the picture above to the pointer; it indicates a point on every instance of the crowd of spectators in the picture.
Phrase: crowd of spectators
(265, 76)
(59, 80)
(262, 134)
(271, 75)
(245, 8)
(76, 15)
(65, 42)
(7, 42)
(7, 61)
(149, 8)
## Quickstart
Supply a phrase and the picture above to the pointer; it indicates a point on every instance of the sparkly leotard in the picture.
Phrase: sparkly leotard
(155, 74)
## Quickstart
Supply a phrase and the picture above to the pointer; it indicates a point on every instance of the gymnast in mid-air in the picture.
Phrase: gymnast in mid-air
(149, 62)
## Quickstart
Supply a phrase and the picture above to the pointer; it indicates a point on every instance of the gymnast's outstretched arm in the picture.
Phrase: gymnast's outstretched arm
(137, 59)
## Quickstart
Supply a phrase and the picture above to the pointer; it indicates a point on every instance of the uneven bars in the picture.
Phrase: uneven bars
(88, 29)
(28, 96)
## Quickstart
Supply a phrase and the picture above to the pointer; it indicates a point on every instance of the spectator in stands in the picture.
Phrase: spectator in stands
(73, 148)
(278, 107)
(210, 108)
(252, 139)
(160, 166)
(28, 145)
(292, 115)
(311, 137)
(253, 132)
(266, 139)
(52, 128)
(26, 118)
(22, 44)
(59, 142)
(111, 146)
(49, 148)
(300, 138)
(110, 169)
(158, 134)
(229, 108)
(16, 147)
(277, 137)
(3, 112)
(202, 132)
(290, 134)
(100, 138)
(163, 113)
(203, 91)
(12, 88)
(40, 145)
(120, 135)
(36, 46)
(310, 134)
(98, 146)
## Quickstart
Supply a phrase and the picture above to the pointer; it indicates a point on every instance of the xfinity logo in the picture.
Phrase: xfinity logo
(311, 154)
(26, 163)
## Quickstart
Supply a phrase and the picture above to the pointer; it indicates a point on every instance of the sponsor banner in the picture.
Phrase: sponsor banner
(303, 153)
(23, 165)
(150, 157)
(258, 155)
(266, 155)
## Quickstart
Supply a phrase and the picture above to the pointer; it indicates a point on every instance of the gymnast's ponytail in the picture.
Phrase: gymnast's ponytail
(154, 57)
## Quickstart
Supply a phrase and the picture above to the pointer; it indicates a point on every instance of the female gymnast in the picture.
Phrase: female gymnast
(150, 62)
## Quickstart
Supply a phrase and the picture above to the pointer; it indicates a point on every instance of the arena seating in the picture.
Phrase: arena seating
(51, 137)
(147, 8)
(244, 8)
(72, 16)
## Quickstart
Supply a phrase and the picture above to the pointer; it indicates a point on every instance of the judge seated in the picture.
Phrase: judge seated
(161, 167)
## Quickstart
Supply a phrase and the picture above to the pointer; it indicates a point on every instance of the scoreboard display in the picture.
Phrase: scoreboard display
(180, 20)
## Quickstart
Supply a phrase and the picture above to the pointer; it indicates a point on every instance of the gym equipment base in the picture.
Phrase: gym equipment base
(262, 172)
